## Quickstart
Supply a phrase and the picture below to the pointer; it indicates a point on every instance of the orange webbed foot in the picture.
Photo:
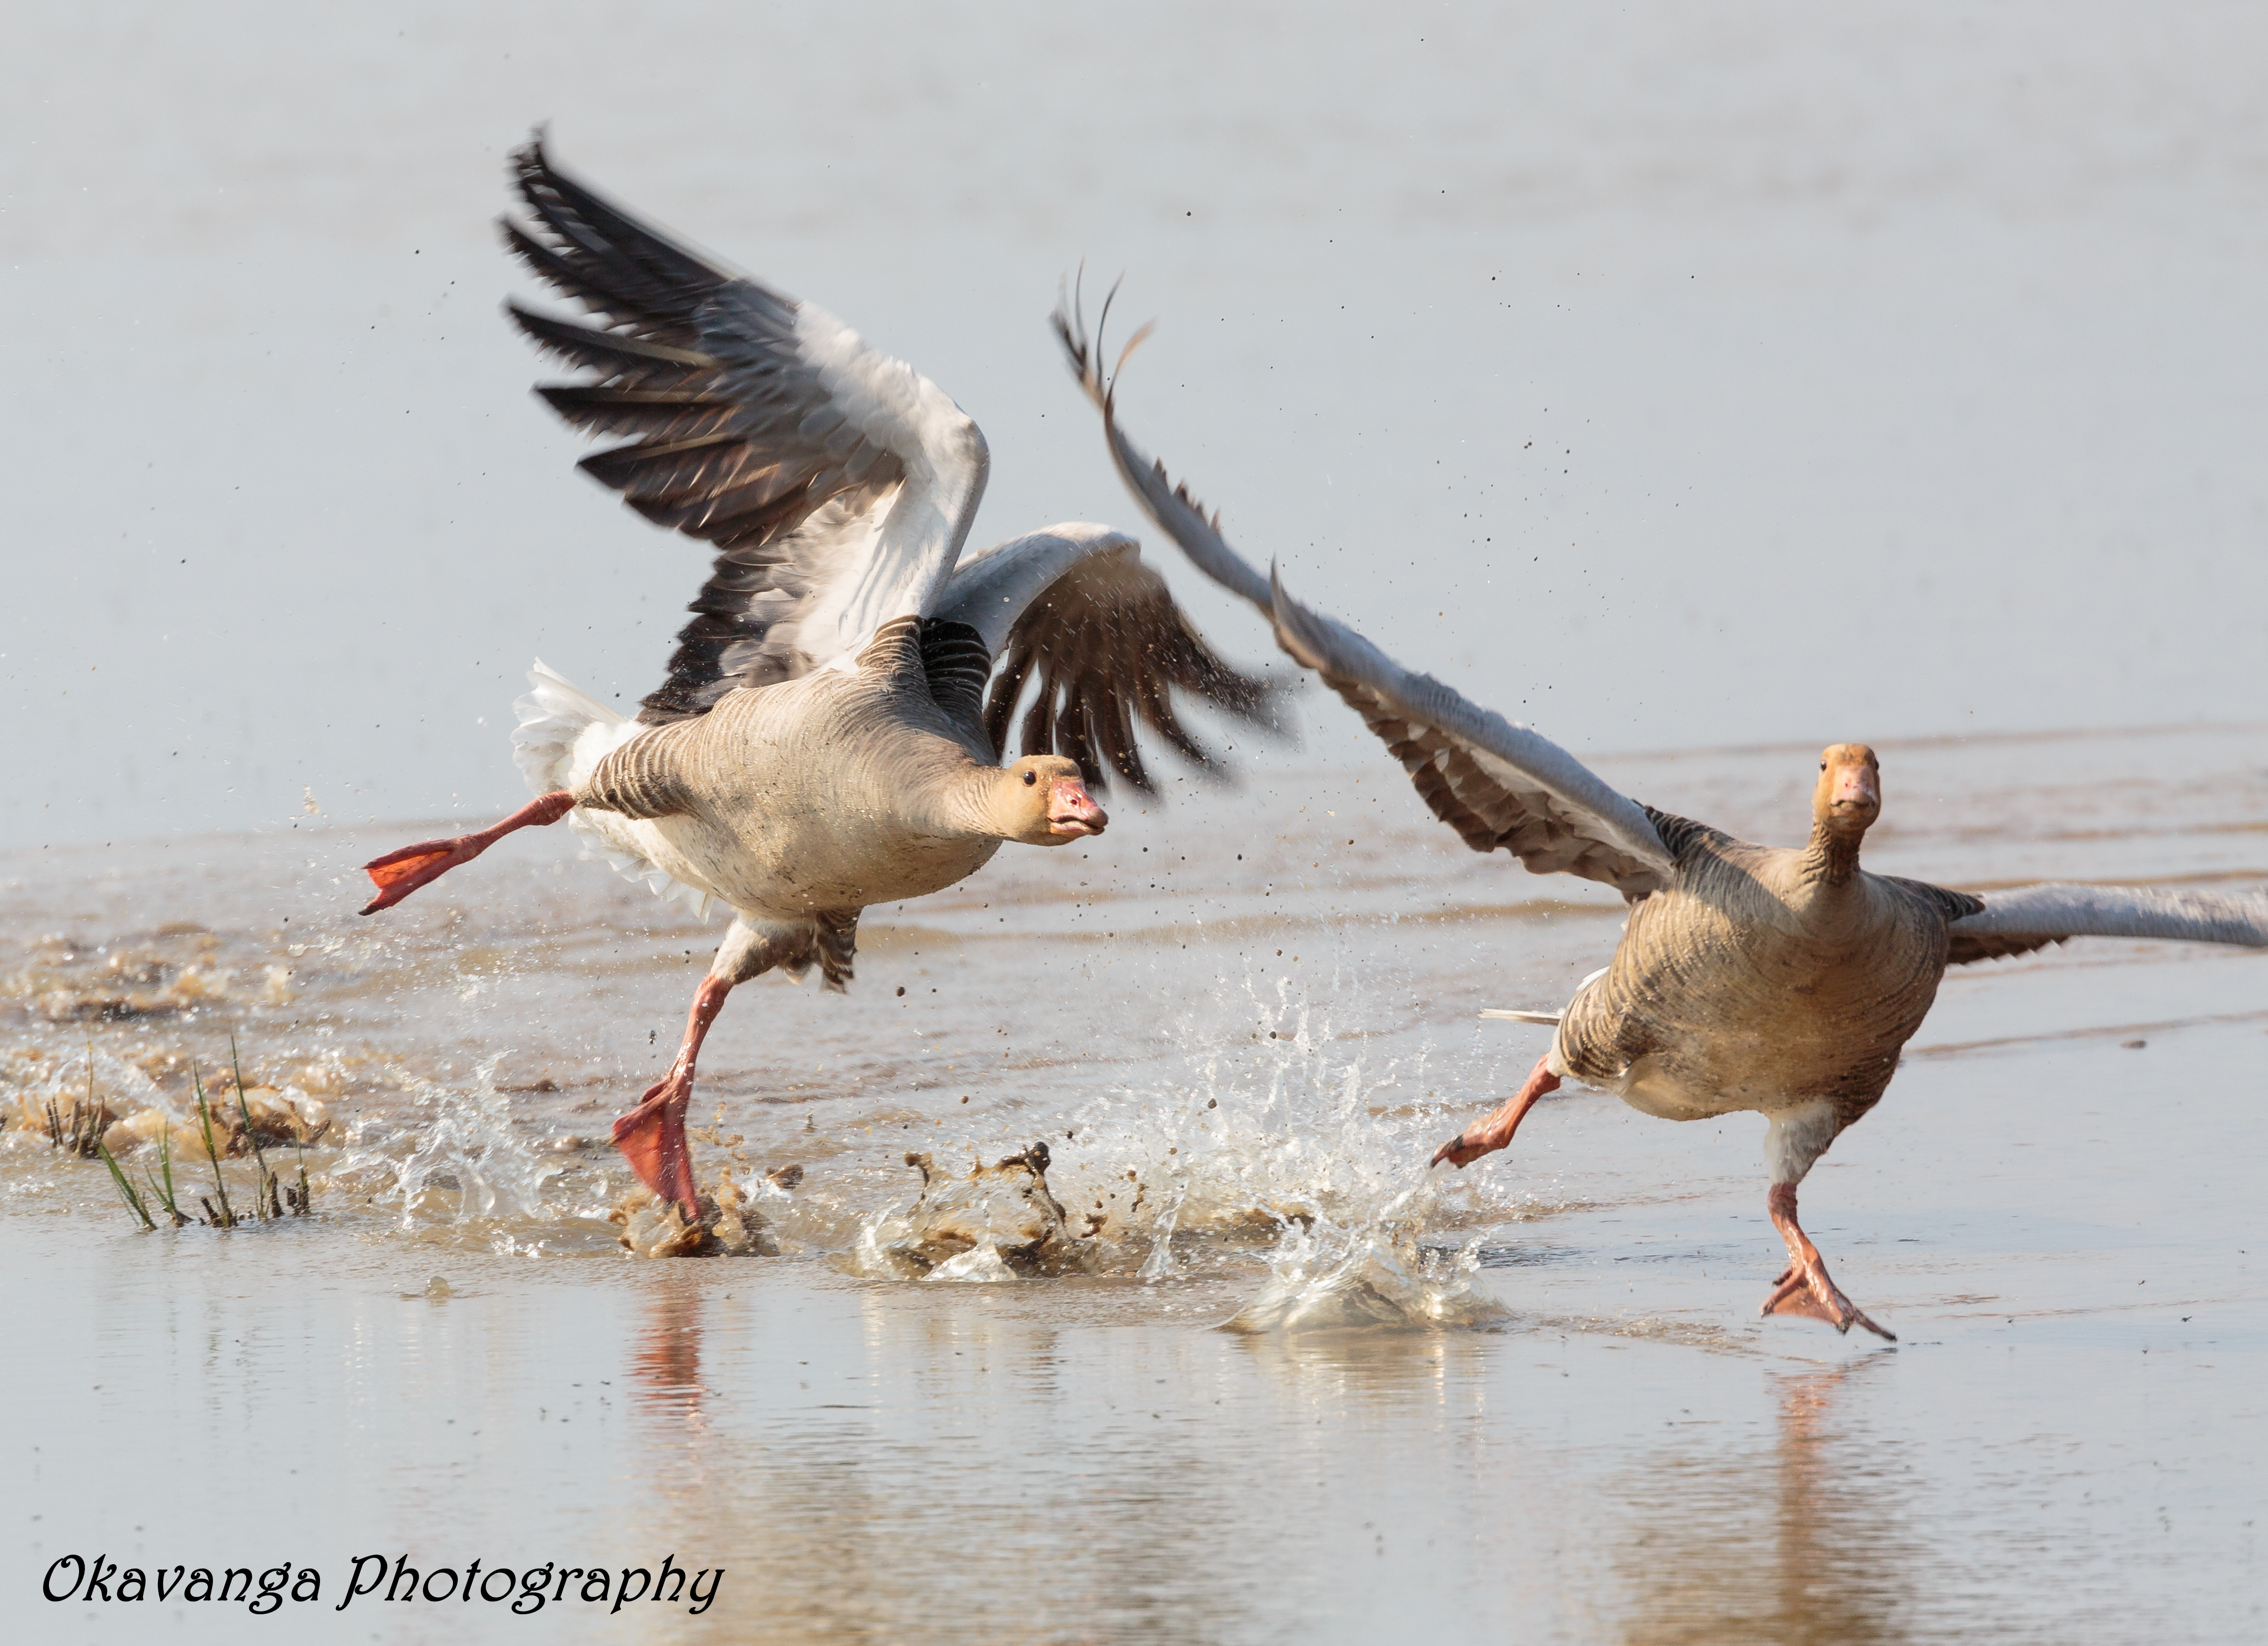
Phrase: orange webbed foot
(1462, 1150)
(398, 874)
(651, 1137)
(1812, 1294)
(1496, 1131)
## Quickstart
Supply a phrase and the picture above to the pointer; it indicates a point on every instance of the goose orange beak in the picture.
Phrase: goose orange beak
(1856, 793)
(1072, 811)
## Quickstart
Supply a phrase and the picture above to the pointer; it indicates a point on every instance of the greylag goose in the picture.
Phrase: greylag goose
(1781, 980)
(824, 739)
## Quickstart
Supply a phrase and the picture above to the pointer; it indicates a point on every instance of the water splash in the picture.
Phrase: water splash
(470, 1138)
(989, 1223)
(464, 1140)
(981, 1263)
(1159, 1263)
(1277, 1126)
(1286, 1138)
(1375, 1275)
(118, 1085)
(870, 1256)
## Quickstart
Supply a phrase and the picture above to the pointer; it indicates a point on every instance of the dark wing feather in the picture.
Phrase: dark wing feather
(955, 662)
(1953, 905)
(1492, 805)
(659, 414)
(1967, 947)
(1109, 649)
(738, 439)
(622, 358)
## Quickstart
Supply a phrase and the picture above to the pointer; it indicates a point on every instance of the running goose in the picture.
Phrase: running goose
(824, 741)
(1780, 980)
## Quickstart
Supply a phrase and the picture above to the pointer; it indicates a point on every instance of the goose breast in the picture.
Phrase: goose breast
(1733, 989)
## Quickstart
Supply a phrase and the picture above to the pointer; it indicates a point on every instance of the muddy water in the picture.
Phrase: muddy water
(1527, 1401)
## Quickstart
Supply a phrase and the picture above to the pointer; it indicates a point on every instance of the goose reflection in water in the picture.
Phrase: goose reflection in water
(665, 1388)
(1804, 1543)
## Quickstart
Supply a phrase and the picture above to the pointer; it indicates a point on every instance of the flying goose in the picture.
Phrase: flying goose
(824, 739)
(1782, 980)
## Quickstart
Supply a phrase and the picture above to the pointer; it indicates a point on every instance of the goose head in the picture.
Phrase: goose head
(1848, 796)
(1047, 802)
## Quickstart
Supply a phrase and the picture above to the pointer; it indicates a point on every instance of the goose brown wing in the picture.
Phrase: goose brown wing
(836, 483)
(1499, 784)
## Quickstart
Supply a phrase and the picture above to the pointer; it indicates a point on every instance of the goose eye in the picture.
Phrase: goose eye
(1822, 765)
(1030, 778)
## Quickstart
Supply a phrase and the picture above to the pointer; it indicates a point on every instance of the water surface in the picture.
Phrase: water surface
(1241, 1052)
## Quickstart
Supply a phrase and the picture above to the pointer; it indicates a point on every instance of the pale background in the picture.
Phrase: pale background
(1673, 376)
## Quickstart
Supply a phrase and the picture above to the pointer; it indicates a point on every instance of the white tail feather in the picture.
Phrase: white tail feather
(563, 734)
(553, 717)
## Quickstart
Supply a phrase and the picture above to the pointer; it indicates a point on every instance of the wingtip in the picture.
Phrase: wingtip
(1141, 336)
(531, 322)
(1082, 352)
(531, 159)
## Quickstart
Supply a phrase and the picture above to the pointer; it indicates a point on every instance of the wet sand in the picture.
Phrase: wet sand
(1565, 1422)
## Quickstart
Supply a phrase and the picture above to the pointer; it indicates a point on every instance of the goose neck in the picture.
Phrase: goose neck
(1832, 856)
(977, 801)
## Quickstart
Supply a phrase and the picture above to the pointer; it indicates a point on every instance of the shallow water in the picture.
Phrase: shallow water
(1531, 1400)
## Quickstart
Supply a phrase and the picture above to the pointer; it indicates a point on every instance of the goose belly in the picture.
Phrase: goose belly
(1765, 1026)
(786, 864)
(1670, 1087)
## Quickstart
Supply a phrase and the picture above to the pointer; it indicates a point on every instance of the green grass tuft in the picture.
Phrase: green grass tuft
(133, 1201)
(225, 1218)
(263, 1191)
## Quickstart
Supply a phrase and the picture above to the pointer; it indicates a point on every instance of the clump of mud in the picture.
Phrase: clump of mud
(729, 1225)
(132, 1112)
(991, 1223)
(75, 1125)
(267, 1117)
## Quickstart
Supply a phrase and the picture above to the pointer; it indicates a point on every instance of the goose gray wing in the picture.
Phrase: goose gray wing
(1074, 609)
(2017, 921)
(836, 483)
(1498, 783)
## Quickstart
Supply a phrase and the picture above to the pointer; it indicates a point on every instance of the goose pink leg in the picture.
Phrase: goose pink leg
(651, 1136)
(1803, 1287)
(398, 874)
(1495, 1132)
